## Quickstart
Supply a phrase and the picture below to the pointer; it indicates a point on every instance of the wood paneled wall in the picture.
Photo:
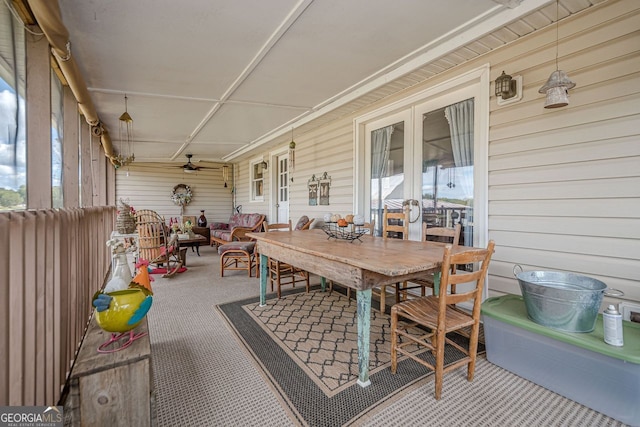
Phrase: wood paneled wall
(149, 186)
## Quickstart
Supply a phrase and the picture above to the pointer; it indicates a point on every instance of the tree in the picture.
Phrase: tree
(9, 198)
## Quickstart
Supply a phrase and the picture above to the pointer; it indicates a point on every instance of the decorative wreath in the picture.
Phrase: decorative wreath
(181, 195)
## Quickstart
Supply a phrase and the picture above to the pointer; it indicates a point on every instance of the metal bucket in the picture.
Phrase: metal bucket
(563, 301)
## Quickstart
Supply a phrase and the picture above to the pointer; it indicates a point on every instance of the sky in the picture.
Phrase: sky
(12, 170)
(12, 160)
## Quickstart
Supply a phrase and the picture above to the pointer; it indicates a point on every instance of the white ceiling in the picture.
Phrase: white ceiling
(218, 78)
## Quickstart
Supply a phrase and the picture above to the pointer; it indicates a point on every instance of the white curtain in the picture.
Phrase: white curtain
(380, 149)
(460, 118)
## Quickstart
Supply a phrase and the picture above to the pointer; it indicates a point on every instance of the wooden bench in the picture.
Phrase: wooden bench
(107, 389)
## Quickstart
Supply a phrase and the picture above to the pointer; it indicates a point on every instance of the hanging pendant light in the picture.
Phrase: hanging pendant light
(292, 154)
(557, 86)
(125, 134)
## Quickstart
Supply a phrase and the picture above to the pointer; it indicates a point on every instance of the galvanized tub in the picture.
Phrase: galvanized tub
(563, 301)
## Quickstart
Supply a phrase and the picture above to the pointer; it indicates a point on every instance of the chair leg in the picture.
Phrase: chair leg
(394, 339)
(278, 284)
(440, 335)
(473, 350)
(383, 296)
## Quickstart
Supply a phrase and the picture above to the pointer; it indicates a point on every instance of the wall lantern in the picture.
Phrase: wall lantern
(505, 86)
(263, 165)
(508, 89)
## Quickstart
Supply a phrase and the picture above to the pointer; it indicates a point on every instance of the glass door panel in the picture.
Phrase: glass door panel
(447, 168)
(387, 171)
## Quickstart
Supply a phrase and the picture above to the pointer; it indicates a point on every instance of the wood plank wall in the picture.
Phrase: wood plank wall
(149, 186)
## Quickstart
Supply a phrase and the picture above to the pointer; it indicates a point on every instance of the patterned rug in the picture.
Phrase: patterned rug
(306, 345)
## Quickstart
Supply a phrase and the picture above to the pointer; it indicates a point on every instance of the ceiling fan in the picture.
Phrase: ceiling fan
(190, 167)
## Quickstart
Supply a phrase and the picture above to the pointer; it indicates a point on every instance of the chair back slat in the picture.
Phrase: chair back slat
(395, 222)
(282, 226)
(441, 234)
(451, 277)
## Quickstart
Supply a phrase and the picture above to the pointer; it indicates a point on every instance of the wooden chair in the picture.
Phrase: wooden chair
(156, 245)
(392, 222)
(370, 227)
(280, 273)
(439, 234)
(441, 316)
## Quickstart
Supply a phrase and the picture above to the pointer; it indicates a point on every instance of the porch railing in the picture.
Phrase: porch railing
(52, 263)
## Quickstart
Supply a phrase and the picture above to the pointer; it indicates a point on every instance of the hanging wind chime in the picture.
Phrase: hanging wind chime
(452, 178)
(225, 175)
(292, 154)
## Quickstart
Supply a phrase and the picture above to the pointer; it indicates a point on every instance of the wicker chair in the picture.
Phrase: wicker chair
(440, 316)
(155, 245)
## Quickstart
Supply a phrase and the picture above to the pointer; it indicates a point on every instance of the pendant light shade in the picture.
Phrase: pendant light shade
(556, 88)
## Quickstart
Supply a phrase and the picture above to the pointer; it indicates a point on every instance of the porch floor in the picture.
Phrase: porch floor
(203, 375)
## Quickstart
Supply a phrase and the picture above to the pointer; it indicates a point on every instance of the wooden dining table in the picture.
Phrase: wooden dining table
(361, 264)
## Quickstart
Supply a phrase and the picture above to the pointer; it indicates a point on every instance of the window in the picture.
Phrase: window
(57, 136)
(13, 178)
(257, 180)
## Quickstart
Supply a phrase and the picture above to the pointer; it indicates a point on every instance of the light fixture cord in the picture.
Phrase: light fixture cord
(557, 35)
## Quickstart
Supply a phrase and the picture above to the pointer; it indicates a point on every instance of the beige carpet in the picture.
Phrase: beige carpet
(204, 377)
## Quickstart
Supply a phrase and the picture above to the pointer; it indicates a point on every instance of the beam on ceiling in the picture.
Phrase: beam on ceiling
(289, 20)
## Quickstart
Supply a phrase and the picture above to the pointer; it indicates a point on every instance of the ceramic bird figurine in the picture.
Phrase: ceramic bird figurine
(121, 311)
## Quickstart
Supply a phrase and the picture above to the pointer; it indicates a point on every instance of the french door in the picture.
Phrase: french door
(424, 156)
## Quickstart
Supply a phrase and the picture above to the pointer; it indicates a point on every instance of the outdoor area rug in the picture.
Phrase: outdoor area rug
(306, 345)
